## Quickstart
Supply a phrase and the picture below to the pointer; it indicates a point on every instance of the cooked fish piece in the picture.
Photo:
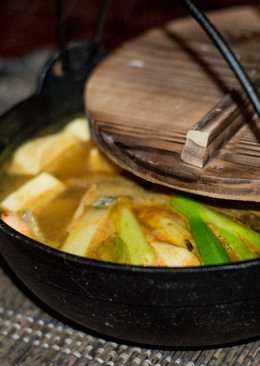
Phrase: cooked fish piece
(172, 256)
(166, 226)
(17, 223)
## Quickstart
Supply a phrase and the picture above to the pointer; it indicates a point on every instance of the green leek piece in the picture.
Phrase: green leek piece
(209, 246)
(130, 232)
(247, 235)
(237, 245)
(114, 251)
(237, 236)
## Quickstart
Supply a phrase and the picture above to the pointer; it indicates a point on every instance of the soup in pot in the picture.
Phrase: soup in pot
(59, 189)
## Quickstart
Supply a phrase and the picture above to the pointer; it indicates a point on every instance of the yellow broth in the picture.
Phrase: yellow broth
(80, 202)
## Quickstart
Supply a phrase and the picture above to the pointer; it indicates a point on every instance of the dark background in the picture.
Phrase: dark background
(29, 24)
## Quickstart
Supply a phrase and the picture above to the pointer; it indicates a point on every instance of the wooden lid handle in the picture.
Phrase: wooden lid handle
(215, 129)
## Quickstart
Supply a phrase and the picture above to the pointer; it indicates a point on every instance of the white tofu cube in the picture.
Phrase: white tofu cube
(36, 192)
(49, 153)
(90, 228)
(98, 163)
(79, 128)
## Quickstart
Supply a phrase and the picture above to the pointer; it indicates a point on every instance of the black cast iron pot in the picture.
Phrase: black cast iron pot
(162, 307)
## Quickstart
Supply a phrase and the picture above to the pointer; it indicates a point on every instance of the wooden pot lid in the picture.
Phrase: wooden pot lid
(166, 107)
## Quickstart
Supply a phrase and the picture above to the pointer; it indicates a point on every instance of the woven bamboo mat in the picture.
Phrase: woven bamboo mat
(31, 337)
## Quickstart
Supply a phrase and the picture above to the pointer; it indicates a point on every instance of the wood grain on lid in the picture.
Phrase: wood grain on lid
(146, 96)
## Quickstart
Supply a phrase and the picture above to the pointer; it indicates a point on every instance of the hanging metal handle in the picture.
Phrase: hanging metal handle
(61, 31)
(61, 35)
(101, 21)
(76, 62)
(227, 53)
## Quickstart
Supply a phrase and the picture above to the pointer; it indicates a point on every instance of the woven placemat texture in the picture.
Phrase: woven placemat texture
(31, 337)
